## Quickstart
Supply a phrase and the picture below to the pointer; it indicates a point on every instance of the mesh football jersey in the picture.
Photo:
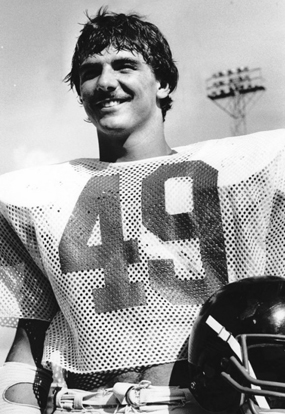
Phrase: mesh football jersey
(119, 257)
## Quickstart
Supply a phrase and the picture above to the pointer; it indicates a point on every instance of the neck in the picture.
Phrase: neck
(132, 148)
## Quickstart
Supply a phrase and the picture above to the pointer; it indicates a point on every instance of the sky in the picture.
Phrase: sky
(41, 121)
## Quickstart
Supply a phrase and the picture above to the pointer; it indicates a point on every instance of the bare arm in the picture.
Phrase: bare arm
(28, 343)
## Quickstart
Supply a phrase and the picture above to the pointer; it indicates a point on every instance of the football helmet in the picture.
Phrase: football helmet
(236, 353)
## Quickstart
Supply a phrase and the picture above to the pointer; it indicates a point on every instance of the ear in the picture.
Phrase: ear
(163, 90)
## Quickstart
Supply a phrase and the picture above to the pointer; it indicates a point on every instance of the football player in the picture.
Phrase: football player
(105, 263)
(123, 72)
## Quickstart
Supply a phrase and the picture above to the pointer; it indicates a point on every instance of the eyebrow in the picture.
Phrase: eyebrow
(127, 59)
(120, 60)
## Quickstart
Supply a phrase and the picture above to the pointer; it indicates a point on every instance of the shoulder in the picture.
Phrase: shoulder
(43, 184)
(262, 141)
(237, 158)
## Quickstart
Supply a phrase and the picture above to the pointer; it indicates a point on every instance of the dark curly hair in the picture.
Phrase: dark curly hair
(125, 32)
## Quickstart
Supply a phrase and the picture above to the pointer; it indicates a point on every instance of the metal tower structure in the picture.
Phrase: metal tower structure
(234, 91)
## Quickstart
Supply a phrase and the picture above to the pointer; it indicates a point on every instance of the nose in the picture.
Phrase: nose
(107, 80)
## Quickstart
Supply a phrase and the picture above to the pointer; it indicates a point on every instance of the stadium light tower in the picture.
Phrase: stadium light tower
(234, 91)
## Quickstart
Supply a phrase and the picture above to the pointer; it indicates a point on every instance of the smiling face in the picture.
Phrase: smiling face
(120, 93)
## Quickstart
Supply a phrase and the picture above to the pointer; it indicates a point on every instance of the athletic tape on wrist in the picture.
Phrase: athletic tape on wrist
(13, 373)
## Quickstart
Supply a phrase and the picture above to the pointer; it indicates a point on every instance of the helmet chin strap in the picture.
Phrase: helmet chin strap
(235, 346)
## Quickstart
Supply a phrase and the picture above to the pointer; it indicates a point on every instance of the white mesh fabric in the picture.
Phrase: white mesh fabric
(131, 250)
(25, 291)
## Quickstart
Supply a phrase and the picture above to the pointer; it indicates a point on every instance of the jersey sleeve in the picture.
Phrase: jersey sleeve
(24, 289)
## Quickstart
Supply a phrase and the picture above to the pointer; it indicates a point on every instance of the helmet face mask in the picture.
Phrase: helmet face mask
(265, 356)
(237, 348)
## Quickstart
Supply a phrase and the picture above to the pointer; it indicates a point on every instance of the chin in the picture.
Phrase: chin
(113, 132)
(113, 128)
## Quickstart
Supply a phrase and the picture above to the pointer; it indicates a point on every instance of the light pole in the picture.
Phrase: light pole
(234, 91)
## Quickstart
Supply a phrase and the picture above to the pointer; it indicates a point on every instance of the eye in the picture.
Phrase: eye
(125, 66)
(89, 73)
(129, 66)
(126, 69)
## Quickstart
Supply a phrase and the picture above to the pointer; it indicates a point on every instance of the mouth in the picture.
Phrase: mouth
(111, 102)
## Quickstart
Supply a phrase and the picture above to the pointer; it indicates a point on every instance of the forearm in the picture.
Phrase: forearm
(28, 344)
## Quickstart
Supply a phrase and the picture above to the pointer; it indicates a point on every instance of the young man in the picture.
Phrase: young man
(123, 72)
(106, 262)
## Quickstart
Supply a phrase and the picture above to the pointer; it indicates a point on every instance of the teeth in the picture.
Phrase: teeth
(109, 104)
